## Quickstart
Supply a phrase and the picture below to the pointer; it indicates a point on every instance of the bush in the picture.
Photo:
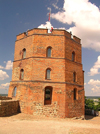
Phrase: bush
(89, 104)
(99, 104)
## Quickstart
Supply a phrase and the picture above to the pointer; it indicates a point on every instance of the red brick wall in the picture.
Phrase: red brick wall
(31, 96)
(74, 108)
(31, 90)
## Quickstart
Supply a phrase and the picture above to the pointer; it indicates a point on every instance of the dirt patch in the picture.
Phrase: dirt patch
(29, 124)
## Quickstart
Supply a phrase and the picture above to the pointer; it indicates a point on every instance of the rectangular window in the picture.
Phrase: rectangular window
(48, 96)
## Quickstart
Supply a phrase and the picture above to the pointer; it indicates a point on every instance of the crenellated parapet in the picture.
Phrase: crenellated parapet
(40, 31)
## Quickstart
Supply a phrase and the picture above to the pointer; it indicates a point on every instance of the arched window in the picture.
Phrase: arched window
(75, 93)
(73, 56)
(49, 52)
(14, 91)
(74, 77)
(48, 71)
(24, 53)
(21, 74)
(48, 96)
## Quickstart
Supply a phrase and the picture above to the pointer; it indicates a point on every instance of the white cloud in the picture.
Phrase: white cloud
(95, 69)
(49, 8)
(55, 5)
(3, 75)
(47, 25)
(84, 84)
(1, 67)
(96, 89)
(86, 17)
(95, 85)
(94, 82)
(4, 86)
(9, 65)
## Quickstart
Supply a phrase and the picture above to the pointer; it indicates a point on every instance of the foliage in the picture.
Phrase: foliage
(89, 104)
(99, 104)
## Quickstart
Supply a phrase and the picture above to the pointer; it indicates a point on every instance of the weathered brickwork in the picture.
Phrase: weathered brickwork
(5, 98)
(9, 107)
(31, 90)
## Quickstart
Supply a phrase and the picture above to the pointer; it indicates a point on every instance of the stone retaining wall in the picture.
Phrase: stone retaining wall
(92, 112)
(9, 107)
(5, 98)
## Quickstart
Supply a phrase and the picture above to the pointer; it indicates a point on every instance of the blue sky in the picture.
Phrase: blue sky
(82, 17)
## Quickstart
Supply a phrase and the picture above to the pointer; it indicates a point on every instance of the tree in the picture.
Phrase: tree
(98, 104)
(89, 104)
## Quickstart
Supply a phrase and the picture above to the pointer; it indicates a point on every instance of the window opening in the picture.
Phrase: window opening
(74, 94)
(49, 52)
(73, 56)
(14, 91)
(48, 95)
(74, 77)
(22, 74)
(48, 71)
(24, 53)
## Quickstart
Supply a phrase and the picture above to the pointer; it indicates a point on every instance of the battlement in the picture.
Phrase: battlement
(58, 32)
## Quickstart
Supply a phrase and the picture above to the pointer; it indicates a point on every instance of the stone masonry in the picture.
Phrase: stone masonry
(9, 107)
(67, 99)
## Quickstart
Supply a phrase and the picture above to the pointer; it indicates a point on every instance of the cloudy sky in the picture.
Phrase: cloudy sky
(82, 17)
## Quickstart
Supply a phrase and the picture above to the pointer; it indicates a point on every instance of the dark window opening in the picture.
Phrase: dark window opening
(49, 52)
(75, 93)
(73, 56)
(48, 96)
(74, 77)
(21, 74)
(24, 53)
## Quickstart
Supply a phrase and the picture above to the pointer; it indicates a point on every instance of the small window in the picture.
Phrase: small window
(14, 92)
(48, 71)
(48, 96)
(49, 52)
(73, 56)
(74, 77)
(24, 53)
(21, 74)
(75, 94)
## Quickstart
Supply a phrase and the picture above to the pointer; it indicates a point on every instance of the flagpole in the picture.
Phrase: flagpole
(50, 28)
(50, 15)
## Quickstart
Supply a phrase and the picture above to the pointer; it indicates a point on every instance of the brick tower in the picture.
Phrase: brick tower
(47, 75)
